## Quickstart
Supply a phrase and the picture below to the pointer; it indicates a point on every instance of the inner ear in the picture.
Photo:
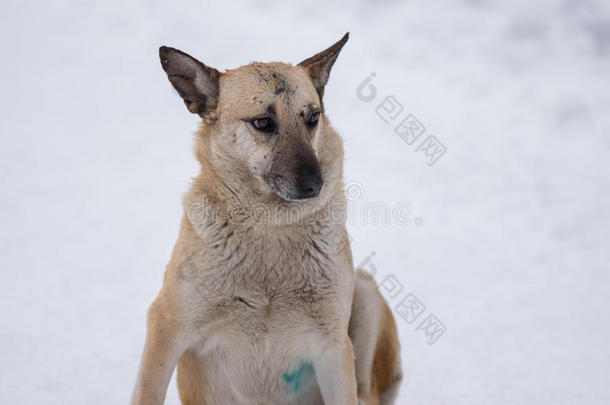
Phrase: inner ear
(318, 66)
(197, 84)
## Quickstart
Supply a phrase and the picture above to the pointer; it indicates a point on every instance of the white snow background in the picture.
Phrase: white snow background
(509, 240)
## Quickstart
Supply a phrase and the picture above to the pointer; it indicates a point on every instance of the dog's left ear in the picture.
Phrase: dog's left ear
(318, 66)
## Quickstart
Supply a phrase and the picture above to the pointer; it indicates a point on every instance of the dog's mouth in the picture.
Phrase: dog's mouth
(299, 196)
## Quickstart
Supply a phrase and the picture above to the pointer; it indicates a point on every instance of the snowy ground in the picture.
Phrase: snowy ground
(508, 244)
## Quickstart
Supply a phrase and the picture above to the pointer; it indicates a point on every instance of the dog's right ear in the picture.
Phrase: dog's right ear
(196, 83)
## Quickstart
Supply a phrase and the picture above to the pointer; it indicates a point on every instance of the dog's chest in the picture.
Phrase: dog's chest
(265, 342)
(270, 301)
(265, 302)
(263, 281)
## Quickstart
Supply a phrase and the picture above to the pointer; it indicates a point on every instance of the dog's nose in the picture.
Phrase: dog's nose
(309, 182)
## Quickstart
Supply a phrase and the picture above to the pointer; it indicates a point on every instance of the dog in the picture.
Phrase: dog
(260, 301)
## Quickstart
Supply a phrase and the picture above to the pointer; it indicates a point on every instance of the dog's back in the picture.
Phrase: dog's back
(376, 347)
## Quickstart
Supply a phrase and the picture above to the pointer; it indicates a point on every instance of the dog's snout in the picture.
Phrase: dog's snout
(296, 172)
(309, 181)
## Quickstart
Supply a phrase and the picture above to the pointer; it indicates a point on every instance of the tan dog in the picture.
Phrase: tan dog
(256, 303)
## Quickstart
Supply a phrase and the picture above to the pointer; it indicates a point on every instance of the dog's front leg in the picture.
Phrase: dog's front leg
(163, 348)
(335, 371)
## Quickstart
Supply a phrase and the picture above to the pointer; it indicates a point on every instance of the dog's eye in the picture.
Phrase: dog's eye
(263, 124)
(313, 120)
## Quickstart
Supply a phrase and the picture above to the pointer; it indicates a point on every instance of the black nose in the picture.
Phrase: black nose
(309, 182)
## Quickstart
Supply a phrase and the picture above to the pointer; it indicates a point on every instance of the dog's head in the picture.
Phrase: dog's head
(265, 120)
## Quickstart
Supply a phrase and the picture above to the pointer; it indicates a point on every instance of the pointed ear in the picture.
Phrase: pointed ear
(318, 66)
(196, 83)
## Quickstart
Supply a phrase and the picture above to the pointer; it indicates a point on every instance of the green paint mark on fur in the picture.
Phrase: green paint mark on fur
(300, 377)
